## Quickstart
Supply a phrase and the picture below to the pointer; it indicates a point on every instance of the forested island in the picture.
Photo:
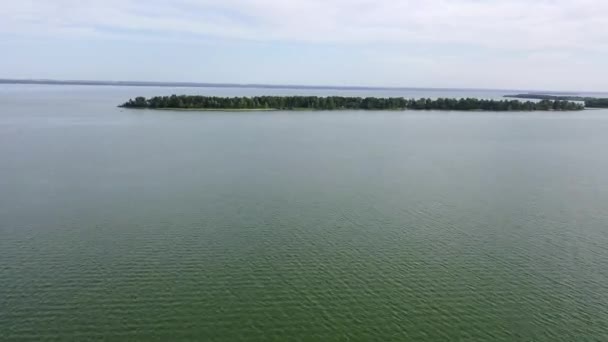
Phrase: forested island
(548, 97)
(187, 102)
(590, 102)
(596, 103)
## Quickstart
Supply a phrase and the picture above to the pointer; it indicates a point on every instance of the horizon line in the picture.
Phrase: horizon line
(255, 85)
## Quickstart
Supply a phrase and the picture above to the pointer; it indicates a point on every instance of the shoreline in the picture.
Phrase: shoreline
(212, 109)
(351, 110)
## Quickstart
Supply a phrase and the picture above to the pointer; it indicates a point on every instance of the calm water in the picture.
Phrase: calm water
(313, 226)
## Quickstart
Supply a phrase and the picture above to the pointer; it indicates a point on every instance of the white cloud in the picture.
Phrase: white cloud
(503, 24)
(472, 43)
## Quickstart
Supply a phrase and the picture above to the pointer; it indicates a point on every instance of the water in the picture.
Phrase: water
(423, 226)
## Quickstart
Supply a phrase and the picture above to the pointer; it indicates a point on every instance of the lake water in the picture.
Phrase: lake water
(298, 226)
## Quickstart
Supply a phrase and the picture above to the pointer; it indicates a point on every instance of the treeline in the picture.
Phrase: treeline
(590, 102)
(597, 103)
(549, 97)
(339, 102)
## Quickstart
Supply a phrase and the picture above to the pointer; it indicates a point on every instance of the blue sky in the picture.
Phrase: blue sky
(541, 44)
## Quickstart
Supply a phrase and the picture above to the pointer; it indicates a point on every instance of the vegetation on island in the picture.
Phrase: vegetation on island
(339, 103)
(548, 97)
(596, 103)
(590, 102)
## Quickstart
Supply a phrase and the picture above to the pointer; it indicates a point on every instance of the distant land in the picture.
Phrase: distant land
(189, 102)
(549, 97)
(242, 85)
(590, 102)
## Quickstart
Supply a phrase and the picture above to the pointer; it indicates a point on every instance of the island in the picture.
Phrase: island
(189, 102)
(590, 102)
(596, 102)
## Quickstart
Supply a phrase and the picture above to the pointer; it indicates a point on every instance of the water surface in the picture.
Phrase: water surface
(424, 226)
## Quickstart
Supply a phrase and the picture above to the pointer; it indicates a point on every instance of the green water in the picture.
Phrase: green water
(325, 226)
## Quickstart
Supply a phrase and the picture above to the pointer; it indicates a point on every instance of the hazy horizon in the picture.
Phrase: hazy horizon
(199, 84)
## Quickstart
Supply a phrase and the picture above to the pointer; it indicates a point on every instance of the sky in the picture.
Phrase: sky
(503, 44)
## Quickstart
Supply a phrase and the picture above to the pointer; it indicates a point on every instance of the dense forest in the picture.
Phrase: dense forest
(596, 103)
(549, 97)
(590, 102)
(338, 102)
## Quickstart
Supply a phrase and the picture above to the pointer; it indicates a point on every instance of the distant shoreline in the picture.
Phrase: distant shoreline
(261, 86)
(227, 85)
(590, 102)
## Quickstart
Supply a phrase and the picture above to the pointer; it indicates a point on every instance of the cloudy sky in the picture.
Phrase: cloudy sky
(517, 44)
